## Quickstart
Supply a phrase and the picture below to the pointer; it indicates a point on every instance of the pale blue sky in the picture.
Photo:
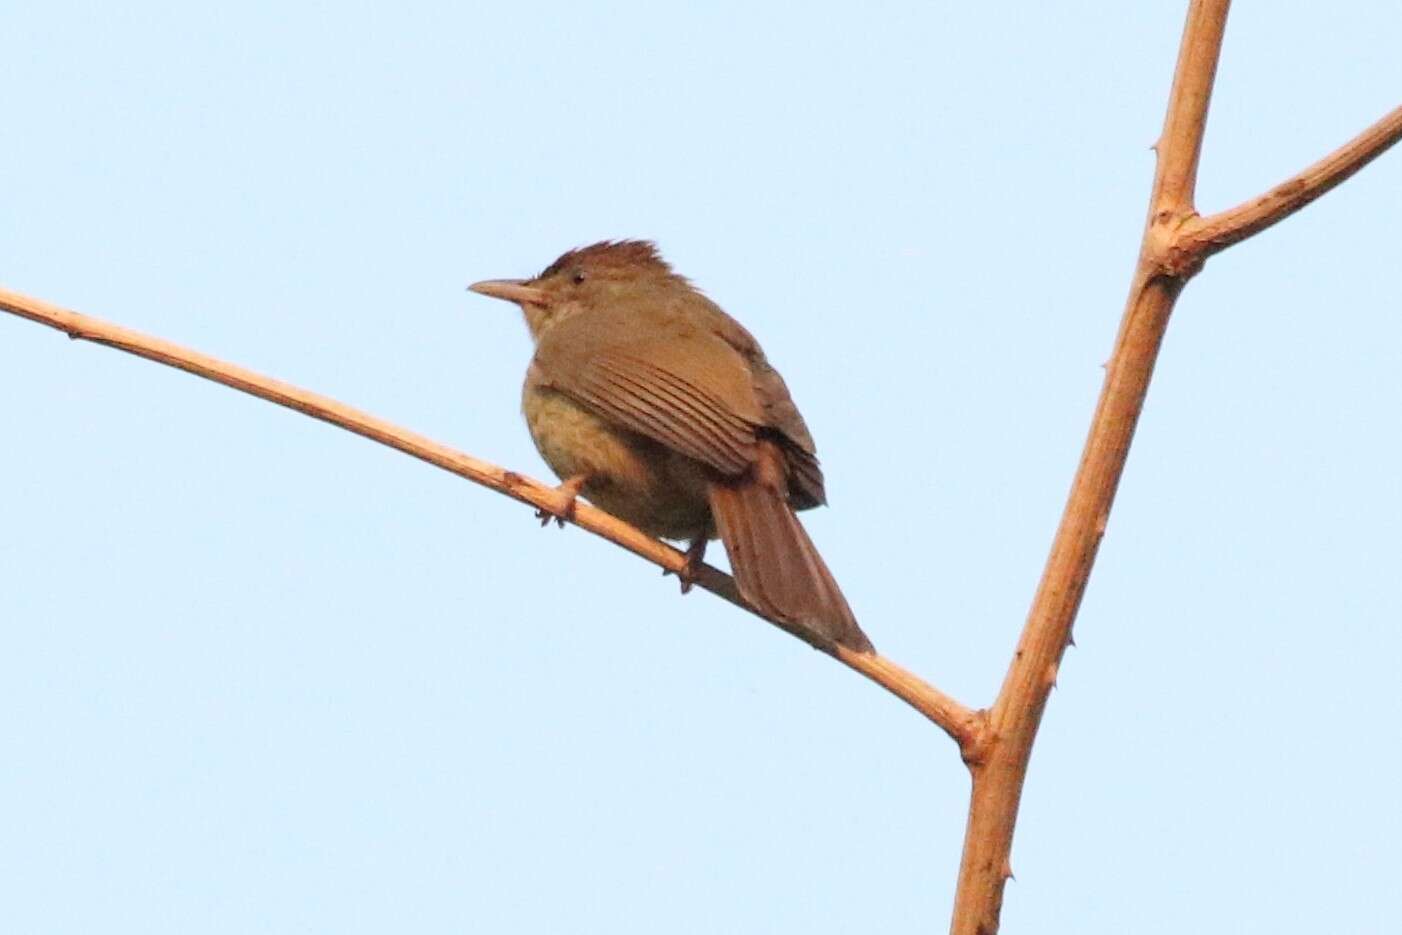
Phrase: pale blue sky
(262, 676)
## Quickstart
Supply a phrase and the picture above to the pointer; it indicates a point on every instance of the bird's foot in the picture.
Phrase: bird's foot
(570, 489)
(695, 554)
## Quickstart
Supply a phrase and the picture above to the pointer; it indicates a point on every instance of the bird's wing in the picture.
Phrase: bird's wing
(780, 413)
(805, 476)
(686, 389)
(698, 385)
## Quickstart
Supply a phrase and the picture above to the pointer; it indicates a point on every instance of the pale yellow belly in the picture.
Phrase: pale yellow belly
(632, 477)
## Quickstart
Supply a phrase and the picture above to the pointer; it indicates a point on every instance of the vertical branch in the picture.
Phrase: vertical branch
(999, 761)
(1180, 145)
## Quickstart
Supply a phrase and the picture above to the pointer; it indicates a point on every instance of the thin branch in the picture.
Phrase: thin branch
(999, 764)
(959, 722)
(1180, 144)
(1203, 237)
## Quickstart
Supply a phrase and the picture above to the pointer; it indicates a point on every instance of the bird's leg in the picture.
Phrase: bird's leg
(570, 489)
(695, 555)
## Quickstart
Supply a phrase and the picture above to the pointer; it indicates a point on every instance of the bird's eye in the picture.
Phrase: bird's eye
(577, 278)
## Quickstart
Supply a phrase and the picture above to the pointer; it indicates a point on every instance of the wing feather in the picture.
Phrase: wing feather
(709, 416)
(703, 393)
(667, 408)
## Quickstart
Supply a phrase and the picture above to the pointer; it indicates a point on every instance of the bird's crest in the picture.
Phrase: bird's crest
(612, 254)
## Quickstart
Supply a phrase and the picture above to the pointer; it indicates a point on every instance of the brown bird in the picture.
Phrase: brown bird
(661, 409)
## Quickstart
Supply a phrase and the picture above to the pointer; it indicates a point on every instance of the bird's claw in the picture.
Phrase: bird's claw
(545, 516)
(570, 489)
(695, 553)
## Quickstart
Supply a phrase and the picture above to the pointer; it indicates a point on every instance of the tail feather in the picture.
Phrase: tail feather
(776, 566)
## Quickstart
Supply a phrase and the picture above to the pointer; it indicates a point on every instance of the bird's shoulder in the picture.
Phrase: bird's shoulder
(688, 340)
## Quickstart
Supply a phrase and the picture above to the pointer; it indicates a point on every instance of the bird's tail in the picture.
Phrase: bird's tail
(776, 566)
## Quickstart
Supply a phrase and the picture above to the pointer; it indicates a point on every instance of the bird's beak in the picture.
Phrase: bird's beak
(512, 290)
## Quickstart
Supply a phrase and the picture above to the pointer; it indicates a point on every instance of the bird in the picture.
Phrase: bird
(647, 399)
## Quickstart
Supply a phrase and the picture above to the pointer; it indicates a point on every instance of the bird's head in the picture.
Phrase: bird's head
(609, 272)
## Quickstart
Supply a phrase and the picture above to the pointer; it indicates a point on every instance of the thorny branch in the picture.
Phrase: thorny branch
(956, 720)
(1176, 243)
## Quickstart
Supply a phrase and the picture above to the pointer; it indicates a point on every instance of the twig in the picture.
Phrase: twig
(1206, 236)
(958, 721)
